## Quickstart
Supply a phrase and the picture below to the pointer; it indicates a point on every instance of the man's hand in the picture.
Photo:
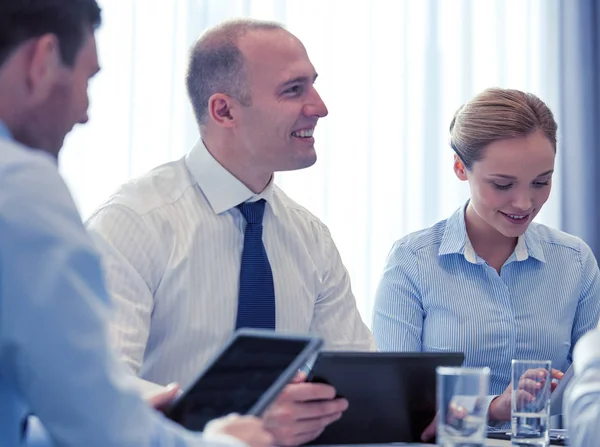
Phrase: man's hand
(302, 411)
(248, 429)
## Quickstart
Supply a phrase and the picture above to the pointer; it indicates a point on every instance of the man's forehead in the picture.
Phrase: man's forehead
(266, 43)
(88, 54)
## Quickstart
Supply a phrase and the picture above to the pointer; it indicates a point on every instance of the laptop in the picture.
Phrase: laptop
(244, 377)
(391, 395)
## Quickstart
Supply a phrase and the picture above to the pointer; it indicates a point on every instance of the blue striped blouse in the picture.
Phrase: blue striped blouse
(437, 294)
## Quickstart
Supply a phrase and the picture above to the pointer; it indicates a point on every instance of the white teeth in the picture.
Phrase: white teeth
(304, 133)
(514, 216)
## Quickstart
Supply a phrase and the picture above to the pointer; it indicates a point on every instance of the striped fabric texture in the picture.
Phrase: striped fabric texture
(172, 241)
(438, 295)
(256, 304)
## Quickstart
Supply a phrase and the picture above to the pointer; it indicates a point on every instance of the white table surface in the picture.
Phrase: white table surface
(489, 443)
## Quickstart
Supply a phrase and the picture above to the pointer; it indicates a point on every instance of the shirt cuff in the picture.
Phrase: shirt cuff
(493, 425)
(212, 433)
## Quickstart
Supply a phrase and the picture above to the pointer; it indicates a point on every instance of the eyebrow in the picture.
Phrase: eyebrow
(299, 79)
(510, 177)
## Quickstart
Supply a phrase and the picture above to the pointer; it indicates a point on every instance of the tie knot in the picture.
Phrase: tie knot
(253, 211)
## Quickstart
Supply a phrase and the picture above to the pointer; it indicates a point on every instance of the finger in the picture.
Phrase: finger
(290, 412)
(307, 434)
(161, 400)
(557, 374)
(317, 410)
(535, 374)
(430, 430)
(266, 439)
(530, 385)
(456, 411)
(299, 377)
(304, 426)
(523, 397)
(303, 431)
(303, 438)
(306, 391)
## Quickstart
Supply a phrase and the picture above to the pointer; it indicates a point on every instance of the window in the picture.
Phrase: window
(392, 73)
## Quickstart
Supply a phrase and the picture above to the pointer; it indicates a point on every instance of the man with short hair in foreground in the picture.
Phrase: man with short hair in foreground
(55, 361)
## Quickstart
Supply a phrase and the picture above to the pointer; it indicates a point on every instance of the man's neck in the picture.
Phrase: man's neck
(238, 166)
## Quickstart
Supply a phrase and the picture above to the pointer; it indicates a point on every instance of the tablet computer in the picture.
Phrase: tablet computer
(391, 396)
(556, 398)
(244, 377)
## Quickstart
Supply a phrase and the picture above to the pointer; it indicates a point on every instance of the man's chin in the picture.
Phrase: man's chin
(300, 163)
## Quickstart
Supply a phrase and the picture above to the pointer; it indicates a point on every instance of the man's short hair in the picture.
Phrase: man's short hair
(217, 65)
(21, 20)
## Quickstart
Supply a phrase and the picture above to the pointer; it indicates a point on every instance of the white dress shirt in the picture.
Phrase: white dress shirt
(172, 242)
(581, 403)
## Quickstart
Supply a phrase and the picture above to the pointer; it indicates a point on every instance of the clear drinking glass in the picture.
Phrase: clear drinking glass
(461, 403)
(530, 406)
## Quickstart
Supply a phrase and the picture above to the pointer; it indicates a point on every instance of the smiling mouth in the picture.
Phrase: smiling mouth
(516, 218)
(303, 133)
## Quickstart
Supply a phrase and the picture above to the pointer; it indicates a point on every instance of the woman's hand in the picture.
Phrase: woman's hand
(530, 383)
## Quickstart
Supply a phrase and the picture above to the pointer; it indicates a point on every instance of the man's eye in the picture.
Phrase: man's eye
(296, 89)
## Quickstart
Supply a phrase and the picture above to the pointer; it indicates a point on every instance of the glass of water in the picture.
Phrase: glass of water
(530, 406)
(462, 409)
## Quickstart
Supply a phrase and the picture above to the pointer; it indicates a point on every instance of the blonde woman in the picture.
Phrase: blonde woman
(488, 281)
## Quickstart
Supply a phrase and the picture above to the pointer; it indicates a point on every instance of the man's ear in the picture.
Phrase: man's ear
(45, 65)
(459, 168)
(221, 109)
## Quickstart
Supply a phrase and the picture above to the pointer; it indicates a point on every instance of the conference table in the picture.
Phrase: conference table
(489, 443)
(37, 437)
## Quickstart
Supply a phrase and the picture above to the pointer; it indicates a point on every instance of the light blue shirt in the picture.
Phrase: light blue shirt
(438, 295)
(55, 360)
(581, 402)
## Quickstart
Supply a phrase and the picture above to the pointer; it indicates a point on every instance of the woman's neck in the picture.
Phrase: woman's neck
(491, 245)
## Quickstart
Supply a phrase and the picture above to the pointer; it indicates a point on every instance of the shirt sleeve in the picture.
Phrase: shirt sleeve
(588, 308)
(132, 263)
(336, 317)
(53, 343)
(398, 312)
(581, 404)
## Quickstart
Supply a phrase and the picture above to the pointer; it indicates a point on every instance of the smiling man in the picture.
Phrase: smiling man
(207, 244)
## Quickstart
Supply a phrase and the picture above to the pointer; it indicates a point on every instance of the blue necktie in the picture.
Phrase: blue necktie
(256, 304)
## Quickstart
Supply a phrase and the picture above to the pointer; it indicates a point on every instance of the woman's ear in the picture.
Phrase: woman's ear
(459, 168)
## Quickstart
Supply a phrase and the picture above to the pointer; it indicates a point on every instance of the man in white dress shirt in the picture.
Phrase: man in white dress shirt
(172, 239)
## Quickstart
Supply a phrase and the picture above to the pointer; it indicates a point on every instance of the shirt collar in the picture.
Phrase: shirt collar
(4, 132)
(220, 187)
(455, 240)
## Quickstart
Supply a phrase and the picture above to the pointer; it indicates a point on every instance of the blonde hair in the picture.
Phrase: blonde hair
(497, 114)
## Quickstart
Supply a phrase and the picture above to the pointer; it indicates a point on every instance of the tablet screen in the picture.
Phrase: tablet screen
(244, 378)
